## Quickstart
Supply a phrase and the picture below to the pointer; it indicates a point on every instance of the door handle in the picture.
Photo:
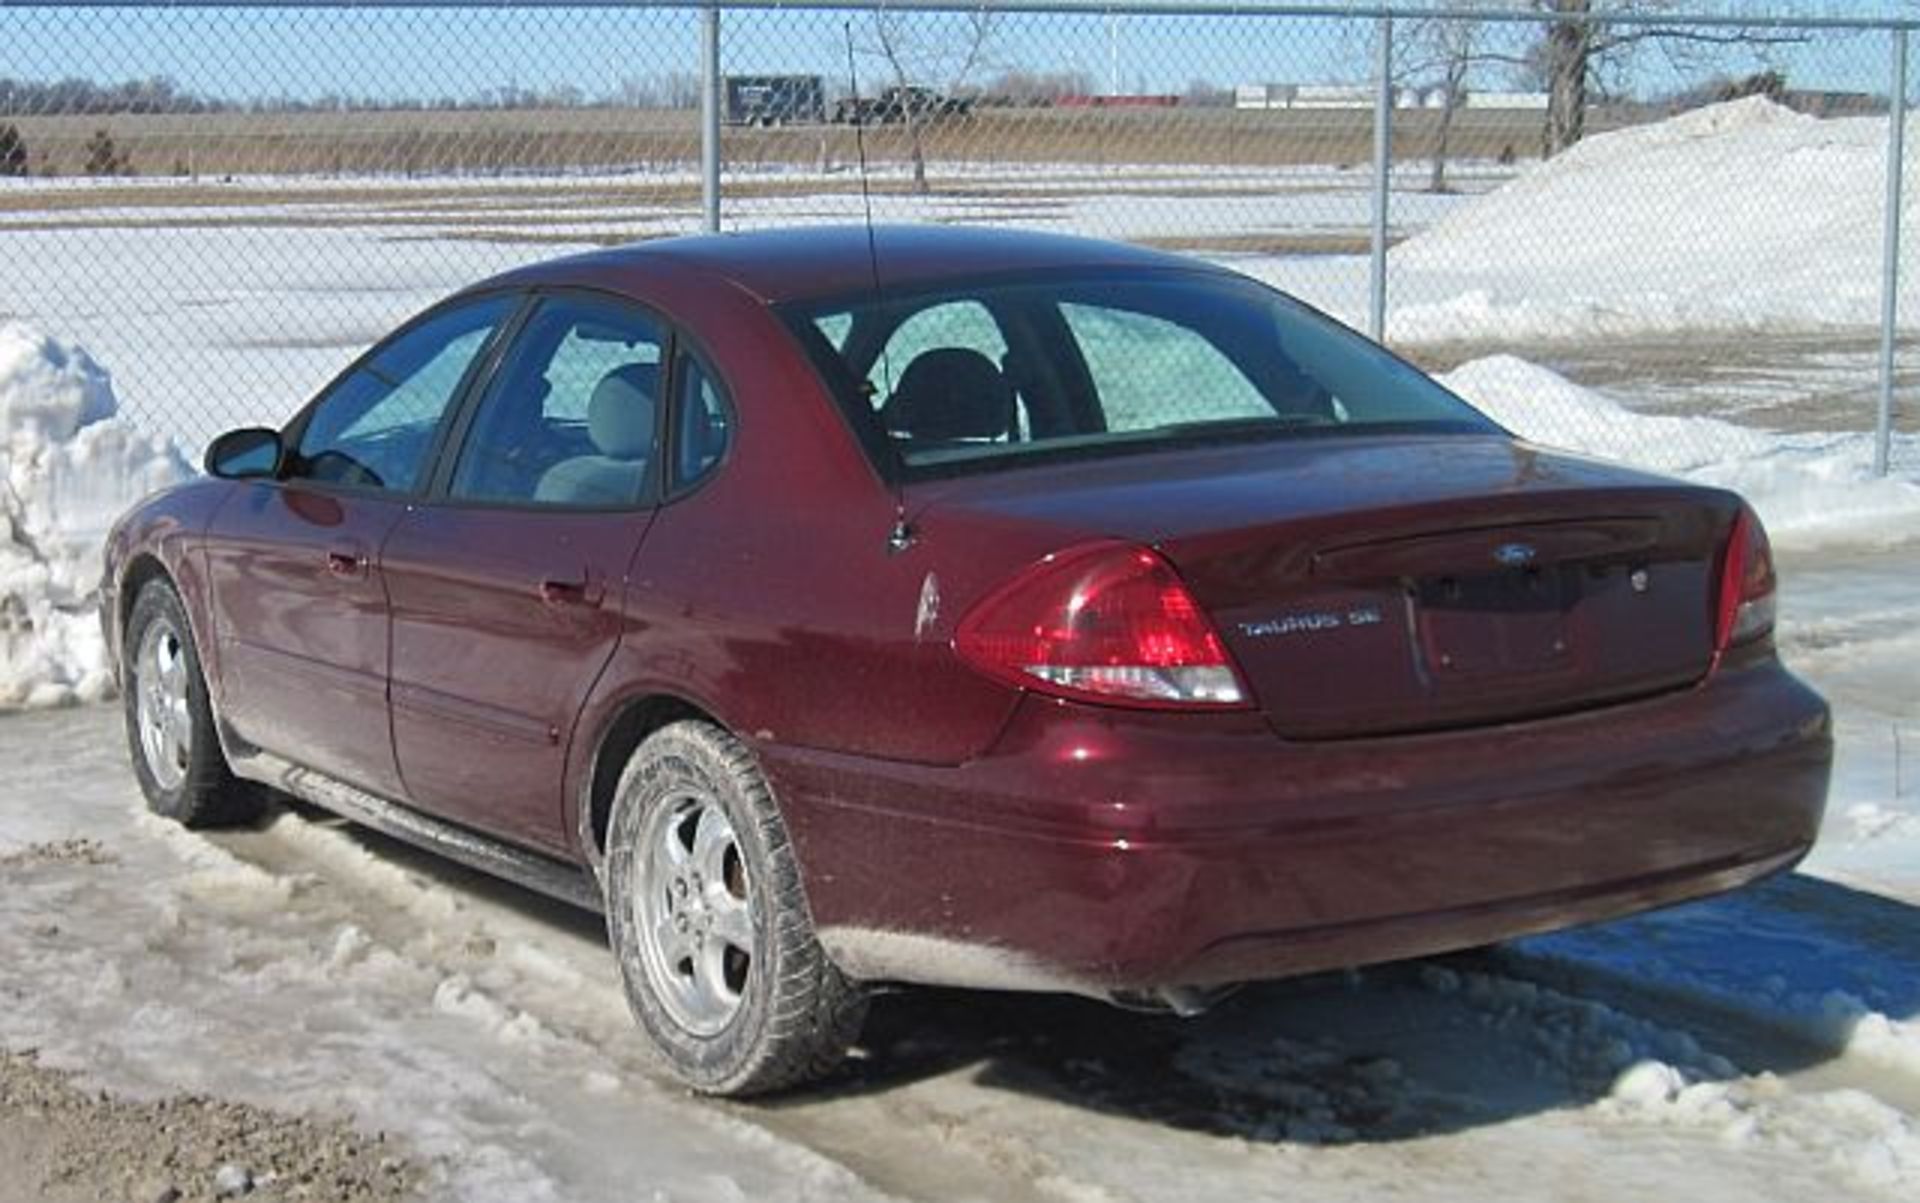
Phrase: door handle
(346, 562)
(584, 592)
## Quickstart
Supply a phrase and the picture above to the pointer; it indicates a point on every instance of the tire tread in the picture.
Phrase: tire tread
(210, 795)
(814, 1011)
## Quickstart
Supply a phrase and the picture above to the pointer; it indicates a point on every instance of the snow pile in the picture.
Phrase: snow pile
(1649, 1073)
(1809, 488)
(1740, 216)
(1855, 1133)
(69, 470)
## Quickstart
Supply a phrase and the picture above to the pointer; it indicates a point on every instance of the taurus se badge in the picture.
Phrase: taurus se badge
(1312, 620)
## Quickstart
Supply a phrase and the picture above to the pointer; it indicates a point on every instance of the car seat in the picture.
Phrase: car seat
(950, 394)
(620, 422)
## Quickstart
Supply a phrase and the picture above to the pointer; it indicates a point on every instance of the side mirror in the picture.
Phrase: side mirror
(251, 453)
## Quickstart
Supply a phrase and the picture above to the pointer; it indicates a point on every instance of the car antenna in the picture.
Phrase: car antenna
(901, 536)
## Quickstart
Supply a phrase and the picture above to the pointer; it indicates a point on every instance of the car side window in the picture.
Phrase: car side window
(376, 427)
(701, 426)
(571, 417)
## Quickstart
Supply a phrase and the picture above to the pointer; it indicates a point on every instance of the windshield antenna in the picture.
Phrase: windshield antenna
(901, 536)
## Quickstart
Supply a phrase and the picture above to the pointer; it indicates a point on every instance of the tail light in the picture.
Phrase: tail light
(1105, 622)
(1744, 607)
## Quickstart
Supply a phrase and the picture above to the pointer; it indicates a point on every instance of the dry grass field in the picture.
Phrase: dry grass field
(535, 141)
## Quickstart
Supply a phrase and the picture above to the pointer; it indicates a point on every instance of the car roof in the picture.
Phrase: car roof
(826, 261)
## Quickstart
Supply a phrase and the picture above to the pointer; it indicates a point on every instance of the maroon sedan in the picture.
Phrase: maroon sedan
(989, 610)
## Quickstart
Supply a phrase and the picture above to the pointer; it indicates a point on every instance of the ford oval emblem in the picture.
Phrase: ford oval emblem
(1514, 555)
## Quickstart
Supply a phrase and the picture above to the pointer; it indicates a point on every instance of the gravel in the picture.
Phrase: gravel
(62, 1143)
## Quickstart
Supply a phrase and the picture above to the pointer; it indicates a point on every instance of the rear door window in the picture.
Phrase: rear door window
(572, 416)
(702, 425)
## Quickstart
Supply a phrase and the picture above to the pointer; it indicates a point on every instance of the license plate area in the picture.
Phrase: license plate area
(1495, 624)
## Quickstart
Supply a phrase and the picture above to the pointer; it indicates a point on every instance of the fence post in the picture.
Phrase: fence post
(1890, 266)
(1382, 176)
(710, 89)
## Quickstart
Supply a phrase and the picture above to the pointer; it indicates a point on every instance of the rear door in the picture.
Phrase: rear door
(302, 607)
(506, 586)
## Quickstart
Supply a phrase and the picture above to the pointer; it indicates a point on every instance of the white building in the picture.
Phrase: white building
(1532, 101)
(1333, 96)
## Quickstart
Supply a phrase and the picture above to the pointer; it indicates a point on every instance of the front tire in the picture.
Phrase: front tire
(170, 732)
(709, 925)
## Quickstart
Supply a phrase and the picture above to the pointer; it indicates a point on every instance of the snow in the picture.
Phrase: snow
(1740, 216)
(1743, 217)
(70, 469)
(179, 965)
(1810, 489)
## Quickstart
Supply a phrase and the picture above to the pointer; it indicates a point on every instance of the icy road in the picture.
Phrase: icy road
(1763, 1046)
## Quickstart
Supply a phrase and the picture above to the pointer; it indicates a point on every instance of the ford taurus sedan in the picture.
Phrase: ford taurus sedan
(968, 608)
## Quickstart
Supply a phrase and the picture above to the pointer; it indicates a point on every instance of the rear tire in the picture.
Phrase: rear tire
(709, 925)
(170, 731)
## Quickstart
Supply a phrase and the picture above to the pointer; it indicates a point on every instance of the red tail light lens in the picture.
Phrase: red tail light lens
(1107, 622)
(1745, 604)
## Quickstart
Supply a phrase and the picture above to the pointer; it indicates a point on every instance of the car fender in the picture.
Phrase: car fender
(166, 531)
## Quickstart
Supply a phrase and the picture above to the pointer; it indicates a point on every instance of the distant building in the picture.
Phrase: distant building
(1433, 96)
(1303, 96)
(1262, 96)
(775, 100)
(1333, 96)
(1526, 101)
(1364, 96)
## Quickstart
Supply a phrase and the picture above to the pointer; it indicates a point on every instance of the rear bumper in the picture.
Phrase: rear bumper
(1097, 851)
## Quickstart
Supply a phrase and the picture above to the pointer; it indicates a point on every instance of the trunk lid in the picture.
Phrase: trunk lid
(1367, 587)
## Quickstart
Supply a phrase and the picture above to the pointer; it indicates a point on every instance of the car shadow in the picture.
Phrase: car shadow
(1769, 979)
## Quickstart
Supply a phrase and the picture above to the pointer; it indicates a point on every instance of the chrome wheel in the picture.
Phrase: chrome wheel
(164, 713)
(694, 912)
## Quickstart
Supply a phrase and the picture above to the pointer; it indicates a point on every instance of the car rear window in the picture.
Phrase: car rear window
(973, 375)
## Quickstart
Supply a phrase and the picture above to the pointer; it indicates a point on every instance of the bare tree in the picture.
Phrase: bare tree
(1579, 44)
(1443, 52)
(13, 151)
(104, 158)
(940, 50)
(1021, 88)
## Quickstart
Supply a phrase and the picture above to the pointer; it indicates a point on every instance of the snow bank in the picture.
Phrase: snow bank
(1740, 216)
(1660, 1076)
(1810, 489)
(69, 470)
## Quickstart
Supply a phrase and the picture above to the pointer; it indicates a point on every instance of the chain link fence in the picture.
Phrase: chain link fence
(225, 203)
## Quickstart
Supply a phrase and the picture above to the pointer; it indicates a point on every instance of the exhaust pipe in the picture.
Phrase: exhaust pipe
(1185, 1001)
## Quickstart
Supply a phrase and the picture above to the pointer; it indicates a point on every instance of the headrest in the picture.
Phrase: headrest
(620, 415)
(951, 393)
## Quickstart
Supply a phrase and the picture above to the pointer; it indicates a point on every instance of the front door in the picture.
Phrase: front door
(301, 605)
(506, 586)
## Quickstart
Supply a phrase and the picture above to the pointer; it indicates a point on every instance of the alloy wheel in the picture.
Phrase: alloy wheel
(695, 913)
(163, 710)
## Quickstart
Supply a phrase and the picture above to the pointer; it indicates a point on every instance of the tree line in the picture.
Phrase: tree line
(103, 155)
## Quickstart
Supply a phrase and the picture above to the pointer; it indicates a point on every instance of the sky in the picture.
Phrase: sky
(463, 52)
